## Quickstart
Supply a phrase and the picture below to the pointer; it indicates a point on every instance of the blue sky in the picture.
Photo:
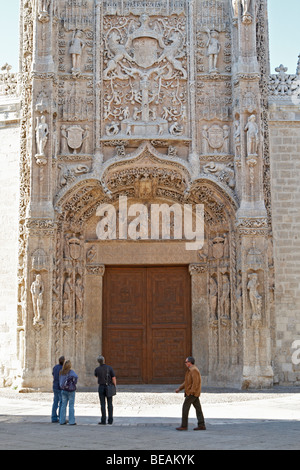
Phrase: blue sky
(284, 17)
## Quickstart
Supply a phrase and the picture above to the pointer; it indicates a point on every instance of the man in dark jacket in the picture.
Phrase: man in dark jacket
(56, 390)
(105, 376)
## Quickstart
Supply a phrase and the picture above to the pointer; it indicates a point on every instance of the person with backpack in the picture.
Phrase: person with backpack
(67, 382)
(106, 389)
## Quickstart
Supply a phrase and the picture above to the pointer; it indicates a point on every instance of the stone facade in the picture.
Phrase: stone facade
(284, 125)
(164, 102)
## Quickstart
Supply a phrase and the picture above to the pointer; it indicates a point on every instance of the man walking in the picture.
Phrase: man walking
(192, 388)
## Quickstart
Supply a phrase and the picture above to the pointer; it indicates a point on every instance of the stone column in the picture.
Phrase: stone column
(257, 357)
(200, 308)
(93, 294)
(38, 305)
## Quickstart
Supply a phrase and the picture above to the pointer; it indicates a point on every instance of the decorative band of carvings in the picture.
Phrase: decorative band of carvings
(96, 270)
(197, 269)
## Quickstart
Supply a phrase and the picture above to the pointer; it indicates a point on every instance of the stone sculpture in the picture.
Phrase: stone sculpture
(42, 132)
(37, 294)
(76, 47)
(252, 135)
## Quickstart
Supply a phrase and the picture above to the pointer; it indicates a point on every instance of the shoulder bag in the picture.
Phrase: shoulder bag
(111, 390)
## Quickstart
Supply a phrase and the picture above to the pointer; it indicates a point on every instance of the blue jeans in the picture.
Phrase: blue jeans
(67, 397)
(103, 398)
(56, 406)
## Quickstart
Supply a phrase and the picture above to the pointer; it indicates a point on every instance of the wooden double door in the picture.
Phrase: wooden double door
(147, 323)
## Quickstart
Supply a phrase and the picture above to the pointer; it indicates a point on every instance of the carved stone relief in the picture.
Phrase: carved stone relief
(146, 99)
(144, 78)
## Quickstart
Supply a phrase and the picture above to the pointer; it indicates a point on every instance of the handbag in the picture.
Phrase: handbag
(111, 390)
(69, 384)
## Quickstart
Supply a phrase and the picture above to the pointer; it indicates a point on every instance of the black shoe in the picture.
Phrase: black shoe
(101, 423)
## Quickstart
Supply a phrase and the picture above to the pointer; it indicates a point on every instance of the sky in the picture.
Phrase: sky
(283, 24)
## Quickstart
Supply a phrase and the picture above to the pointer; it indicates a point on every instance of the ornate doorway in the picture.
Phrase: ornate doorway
(147, 323)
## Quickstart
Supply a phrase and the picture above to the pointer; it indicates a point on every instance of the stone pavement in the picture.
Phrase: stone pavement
(146, 418)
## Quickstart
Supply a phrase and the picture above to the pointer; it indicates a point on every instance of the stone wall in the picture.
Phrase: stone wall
(9, 184)
(285, 171)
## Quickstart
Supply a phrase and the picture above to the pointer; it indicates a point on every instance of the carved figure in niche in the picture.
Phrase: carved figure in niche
(226, 134)
(76, 47)
(254, 297)
(252, 135)
(235, 7)
(42, 132)
(85, 140)
(213, 50)
(91, 254)
(43, 10)
(246, 6)
(78, 299)
(247, 18)
(37, 294)
(205, 143)
(67, 298)
(213, 297)
(237, 138)
(225, 297)
(64, 140)
(239, 296)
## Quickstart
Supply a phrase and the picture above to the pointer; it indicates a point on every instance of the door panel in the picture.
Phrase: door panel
(146, 323)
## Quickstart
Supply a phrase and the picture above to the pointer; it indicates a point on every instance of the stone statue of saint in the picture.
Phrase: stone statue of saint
(252, 135)
(42, 132)
(213, 50)
(254, 297)
(235, 7)
(213, 298)
(78, 299)
(37, 294)
(246, 7)
(225, 297)
(67, 298)
(76, 48)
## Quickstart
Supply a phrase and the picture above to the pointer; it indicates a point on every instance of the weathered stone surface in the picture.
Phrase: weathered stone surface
(164, 103)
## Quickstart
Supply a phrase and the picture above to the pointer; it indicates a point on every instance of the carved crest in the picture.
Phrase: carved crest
(218, 247)
(75, 248)
(75, 137)
(145, 51)
(215, 137)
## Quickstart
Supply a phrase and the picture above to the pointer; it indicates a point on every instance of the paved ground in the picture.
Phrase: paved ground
(146, 418)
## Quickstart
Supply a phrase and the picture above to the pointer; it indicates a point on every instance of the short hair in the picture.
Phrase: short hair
(101, 360)
(61, 360)
(191, 359)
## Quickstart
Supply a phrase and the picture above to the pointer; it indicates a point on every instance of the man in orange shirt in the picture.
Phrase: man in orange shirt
(192, 388)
